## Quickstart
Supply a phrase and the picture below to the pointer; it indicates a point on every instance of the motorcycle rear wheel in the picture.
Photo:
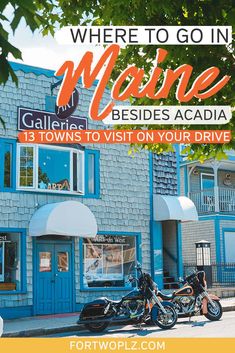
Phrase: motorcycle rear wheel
(214, 314)
(97, 327)
(163, 321)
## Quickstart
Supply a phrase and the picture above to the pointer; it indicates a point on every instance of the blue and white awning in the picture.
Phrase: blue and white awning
(68, 218)
(179, 208)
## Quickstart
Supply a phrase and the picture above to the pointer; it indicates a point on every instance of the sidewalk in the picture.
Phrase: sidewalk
(52, 324)
(41, 325)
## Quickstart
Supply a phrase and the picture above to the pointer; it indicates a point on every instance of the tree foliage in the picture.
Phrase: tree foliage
(46, 14)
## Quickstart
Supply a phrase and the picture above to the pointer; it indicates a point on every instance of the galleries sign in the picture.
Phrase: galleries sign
(32, 119)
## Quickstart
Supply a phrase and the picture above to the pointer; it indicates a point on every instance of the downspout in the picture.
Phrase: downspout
(151, 211)
(178, 223)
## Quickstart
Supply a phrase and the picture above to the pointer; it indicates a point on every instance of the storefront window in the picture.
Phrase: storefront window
(26, 166)
(229, 247)
(91, 173)
(53, 169)
(1, 261)
(50, 168)
(8, 164)
(108, 260)
(10, 261)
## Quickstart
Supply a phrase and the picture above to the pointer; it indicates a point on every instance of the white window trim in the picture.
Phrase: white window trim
(82, 155)
(205, 174)
(35, 169)
(19, 145)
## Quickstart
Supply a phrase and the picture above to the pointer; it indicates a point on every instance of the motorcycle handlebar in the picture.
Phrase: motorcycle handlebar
(192, 275)
(138, 266)
(132, 279)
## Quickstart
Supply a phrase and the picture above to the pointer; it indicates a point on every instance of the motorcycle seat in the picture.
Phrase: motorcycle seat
(114, 301)
(166, 296)
(111, 301)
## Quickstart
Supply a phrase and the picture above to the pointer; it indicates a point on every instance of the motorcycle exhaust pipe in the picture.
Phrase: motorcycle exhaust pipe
(97, 321)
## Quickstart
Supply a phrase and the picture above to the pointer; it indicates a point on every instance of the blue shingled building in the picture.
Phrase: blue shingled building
(74, 219)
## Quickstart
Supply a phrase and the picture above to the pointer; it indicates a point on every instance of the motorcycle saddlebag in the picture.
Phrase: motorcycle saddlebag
(94, 309)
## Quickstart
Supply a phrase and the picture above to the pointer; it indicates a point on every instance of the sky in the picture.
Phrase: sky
(42, 51)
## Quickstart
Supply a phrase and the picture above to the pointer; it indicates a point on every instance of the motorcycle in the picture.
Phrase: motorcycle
(141, 305)
(192, 298)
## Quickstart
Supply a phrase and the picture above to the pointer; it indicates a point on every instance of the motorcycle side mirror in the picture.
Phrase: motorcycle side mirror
(138, 266)
(130, 278)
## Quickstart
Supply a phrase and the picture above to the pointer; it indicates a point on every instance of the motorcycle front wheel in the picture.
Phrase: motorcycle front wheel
(214, 312)
(166, 320)
(99, 327)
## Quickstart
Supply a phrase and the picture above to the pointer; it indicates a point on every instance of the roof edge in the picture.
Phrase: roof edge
(39, 71)
(32, 69)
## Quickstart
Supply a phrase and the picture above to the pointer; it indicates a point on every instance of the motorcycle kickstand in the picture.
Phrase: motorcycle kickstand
(140, 327)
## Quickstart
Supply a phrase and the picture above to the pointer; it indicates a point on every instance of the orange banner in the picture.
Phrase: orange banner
(116, 345)
(125, 136)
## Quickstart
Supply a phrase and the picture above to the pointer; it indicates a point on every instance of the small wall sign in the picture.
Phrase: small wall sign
(3, 237)
(63, 185)
(65, 111)
(32, 119)
(109, 239)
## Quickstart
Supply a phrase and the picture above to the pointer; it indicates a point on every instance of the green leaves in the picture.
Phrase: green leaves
(37, 15)
(47, 15)
(5, 68)
(6, 71)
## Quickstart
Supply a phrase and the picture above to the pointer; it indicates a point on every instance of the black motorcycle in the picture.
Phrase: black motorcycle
(193, 298)
(141, 305)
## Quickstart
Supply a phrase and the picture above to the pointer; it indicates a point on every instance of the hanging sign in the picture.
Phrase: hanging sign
(33, 119)
(64, 111)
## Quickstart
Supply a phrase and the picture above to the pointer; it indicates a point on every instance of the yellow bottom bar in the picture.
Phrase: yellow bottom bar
(117, 345)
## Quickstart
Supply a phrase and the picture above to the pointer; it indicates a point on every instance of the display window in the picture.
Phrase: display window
(7, 164)
(10, 262)
(8, 153)
(50, 168)
(108, 260)
(229, 246)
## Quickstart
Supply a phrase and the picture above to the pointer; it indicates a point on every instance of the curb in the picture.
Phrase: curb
(43, 331)
(72, 328)
(228, 308)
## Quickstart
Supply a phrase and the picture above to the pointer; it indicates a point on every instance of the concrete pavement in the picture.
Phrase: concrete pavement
(197, 327)
(40, 325)
(57, 324)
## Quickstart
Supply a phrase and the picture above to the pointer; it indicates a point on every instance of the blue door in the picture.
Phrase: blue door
(53, 278)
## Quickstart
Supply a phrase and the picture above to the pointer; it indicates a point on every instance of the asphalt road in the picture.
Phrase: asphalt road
(199, 326)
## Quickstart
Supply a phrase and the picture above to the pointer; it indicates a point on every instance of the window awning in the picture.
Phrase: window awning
(179, 208)
(68, 218)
